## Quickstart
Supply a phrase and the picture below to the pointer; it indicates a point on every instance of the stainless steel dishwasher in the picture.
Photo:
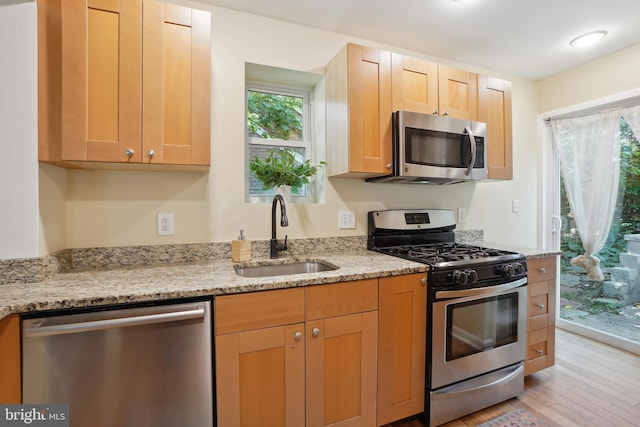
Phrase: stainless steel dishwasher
(141, 366)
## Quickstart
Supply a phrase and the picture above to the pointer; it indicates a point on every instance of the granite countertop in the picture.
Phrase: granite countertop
(182, 280)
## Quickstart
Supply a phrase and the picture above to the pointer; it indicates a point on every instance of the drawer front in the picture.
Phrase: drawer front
(537, 344)
(540, 269)
(256, 310)
(338, 299)
(538, 305)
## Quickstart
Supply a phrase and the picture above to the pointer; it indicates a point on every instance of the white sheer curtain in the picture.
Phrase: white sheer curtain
(589, 149)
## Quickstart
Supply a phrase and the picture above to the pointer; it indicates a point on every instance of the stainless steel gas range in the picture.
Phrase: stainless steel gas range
(476, 311)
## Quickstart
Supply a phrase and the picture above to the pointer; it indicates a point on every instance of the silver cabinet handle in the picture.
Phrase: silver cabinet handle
(297, 336)
(423, 281)
(542, 270)
(130, 152)
(472, 139)
(539, 351)
(388, 166)
(540, 306)
(96, 325)
(151, 153)
(315, 332)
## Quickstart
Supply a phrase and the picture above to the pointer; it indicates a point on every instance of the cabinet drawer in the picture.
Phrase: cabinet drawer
(537, 344)
(341, 298)
(540, 269)
(243, 312)
(538, 305)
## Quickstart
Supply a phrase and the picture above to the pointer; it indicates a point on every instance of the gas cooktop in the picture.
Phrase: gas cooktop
(427, 236)
(447, 253)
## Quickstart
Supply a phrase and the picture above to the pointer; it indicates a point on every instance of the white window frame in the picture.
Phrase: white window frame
(306, 143)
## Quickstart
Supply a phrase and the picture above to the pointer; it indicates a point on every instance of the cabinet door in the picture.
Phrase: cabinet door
(494, 108)
(101, 80)
(369, 95)
(457, 93)
(414, 84)
(341, 370)
(10, 368)
(401, 353)
(260, 377)
(176, 86)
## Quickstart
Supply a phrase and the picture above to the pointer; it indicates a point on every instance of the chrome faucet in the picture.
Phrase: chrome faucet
(275, 246)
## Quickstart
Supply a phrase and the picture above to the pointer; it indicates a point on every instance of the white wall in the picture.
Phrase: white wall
(119, 208)
(18, 132)
(604, 77)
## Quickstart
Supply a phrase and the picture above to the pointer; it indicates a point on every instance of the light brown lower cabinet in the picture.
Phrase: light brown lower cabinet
(295, 357)
(401, 352)
(10, 381)
(541, 314)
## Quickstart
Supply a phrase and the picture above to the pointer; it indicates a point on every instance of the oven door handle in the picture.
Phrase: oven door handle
(489, 290)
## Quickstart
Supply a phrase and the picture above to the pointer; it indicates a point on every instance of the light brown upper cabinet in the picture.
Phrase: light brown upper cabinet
(426, 87)
(494, 108)
(358, 83)
(123, 81)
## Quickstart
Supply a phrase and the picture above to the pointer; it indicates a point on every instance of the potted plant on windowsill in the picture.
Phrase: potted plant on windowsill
(280, 170)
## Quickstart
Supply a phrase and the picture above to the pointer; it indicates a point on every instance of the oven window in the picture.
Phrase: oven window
(483, 324)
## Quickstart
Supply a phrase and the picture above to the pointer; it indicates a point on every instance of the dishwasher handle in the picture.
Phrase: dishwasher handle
(121, 322)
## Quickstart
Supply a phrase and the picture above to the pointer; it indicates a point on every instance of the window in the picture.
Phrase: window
(278, 118)
(607, 310)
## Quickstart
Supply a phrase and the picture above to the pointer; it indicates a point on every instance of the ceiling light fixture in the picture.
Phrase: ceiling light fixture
(588, 39)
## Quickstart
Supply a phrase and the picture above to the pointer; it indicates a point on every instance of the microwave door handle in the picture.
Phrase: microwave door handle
(472, 139)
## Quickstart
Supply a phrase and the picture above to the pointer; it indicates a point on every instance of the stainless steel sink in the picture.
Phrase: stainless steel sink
(283, 269)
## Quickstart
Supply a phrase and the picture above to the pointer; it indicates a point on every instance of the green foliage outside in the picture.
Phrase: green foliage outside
(274, 116)
(627, 218)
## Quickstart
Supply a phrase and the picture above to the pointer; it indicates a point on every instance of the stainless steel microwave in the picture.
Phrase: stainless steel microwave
(436, 149)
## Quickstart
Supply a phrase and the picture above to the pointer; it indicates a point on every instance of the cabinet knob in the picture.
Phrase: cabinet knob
(423, 281)
(388, 166)
(315, 332)
(151, 153)
(539, 351)
(446, 113)
(297, 336)
(540, 306)
(130, 152)
(542, 270)
(435, 112)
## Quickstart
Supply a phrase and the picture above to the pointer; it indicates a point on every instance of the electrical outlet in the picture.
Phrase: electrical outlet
(346, 219)
(462, 215)
(165, 224)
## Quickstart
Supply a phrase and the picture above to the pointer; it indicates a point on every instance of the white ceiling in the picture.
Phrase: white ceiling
(528, 38)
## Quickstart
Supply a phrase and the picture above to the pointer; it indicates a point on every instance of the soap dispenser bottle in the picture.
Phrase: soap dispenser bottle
(240, 249)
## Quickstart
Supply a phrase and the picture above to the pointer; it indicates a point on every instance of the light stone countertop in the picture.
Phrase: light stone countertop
(183, 280)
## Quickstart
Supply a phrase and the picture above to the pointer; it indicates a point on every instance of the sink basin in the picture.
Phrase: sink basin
(283, 269)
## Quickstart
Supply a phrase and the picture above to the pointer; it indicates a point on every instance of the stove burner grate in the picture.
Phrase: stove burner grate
(443, 252)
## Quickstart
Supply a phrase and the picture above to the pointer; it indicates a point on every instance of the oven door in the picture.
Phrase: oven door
(440, 147)
(479, 330)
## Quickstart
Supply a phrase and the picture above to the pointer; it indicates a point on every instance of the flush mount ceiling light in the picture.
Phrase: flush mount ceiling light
(588, 39)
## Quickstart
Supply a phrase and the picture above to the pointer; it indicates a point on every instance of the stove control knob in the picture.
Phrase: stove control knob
(460, 277)
(507, 270)
(472, 275)
(518, 268)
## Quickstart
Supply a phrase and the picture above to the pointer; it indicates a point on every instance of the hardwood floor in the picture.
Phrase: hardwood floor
(591, 385)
